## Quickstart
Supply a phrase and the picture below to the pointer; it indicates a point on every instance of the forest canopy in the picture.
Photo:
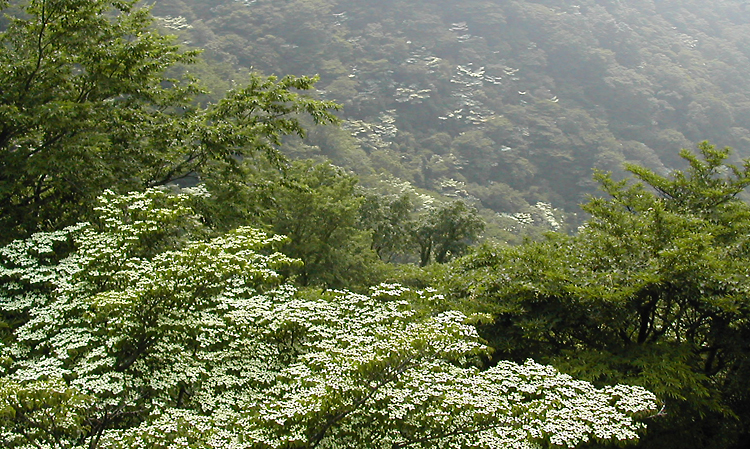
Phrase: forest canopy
(504, 104)
(189, 267)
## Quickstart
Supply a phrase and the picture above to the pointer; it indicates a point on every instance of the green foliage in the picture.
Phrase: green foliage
(389, 218)
(71, 75)
(153, 326)
(86, 106)
(650, 292)
(44, 413)
(132, 341)
(533, 94)
(708, 188)
(317, 207)
(446, 231)
(126, 319)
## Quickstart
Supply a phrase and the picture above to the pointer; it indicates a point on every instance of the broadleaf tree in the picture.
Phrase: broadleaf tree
(317, 205)
(150, 334)
(388, 217)
(445, 231)
(652, 291)
(86, 106)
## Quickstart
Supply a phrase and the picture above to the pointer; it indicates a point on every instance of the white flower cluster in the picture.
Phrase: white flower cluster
(468, 81)
(174, 23)
(547, 213)
(411, 94)
(540, 214)
(374, 136)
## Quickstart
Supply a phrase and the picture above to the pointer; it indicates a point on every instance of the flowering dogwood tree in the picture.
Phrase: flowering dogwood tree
(140, 331)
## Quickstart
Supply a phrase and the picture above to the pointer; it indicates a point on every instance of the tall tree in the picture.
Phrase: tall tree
(446, 231)
(652, 291)
(85, 106)
(317, 207)
(388, 217)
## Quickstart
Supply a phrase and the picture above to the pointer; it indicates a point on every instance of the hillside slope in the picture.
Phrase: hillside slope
(504, 103)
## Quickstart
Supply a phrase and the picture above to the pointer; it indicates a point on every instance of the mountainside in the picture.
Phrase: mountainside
(183, 266)
(508, 104)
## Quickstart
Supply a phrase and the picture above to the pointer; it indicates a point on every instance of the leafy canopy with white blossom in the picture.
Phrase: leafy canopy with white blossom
(150, 334)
